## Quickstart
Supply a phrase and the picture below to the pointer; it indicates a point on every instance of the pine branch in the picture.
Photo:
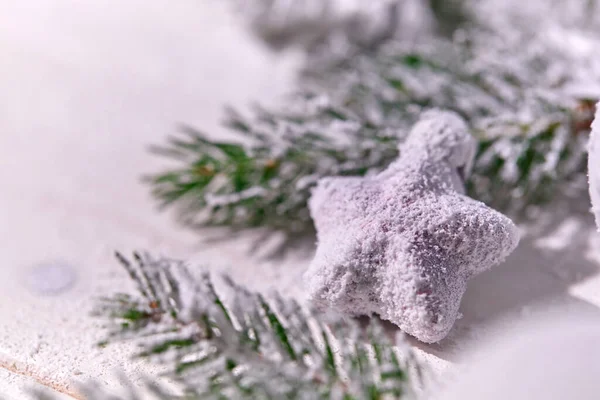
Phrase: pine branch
(249, 346)
(355, 129)
(269, 182)
(354, 104)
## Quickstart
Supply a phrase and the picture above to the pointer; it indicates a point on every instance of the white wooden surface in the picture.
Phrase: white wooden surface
(84, 87)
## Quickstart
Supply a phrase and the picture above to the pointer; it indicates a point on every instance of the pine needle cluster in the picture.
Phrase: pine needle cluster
(241, 344)
(362, 89)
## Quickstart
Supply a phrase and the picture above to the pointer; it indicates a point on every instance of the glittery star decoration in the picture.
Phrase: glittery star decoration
(402, 244)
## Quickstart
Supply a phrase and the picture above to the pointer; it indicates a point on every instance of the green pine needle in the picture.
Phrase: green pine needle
(249, 346)
(353, 107)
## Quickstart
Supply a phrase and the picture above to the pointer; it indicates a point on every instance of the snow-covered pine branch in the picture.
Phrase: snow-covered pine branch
(524, 83)
(245, 345)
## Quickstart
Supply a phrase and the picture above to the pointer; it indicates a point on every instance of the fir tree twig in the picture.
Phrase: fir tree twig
(245, 345)
(353, 106)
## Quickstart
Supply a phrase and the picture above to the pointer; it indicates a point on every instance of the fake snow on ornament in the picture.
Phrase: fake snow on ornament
(403, 244)
(594, 166)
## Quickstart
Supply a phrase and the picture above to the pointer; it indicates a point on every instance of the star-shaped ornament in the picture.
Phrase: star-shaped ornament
(403, 244)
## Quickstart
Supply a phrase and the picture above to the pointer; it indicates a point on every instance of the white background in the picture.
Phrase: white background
(85, 87)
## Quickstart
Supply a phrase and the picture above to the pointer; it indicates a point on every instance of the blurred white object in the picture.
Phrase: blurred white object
(310, 23)
(51, 278)
(594, 166)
